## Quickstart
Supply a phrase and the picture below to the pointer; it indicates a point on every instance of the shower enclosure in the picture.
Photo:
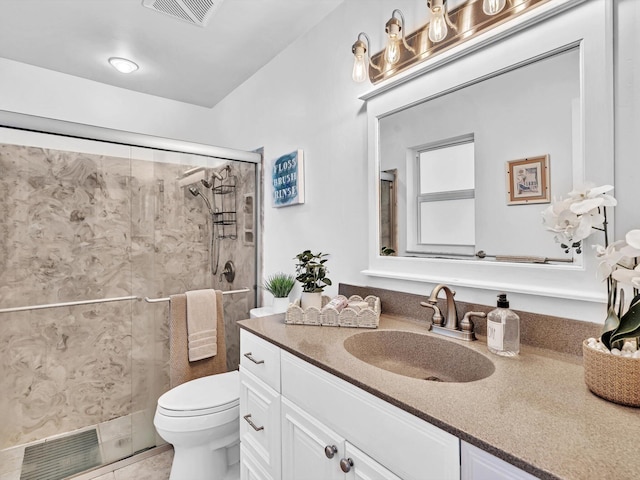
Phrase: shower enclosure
(88, 229)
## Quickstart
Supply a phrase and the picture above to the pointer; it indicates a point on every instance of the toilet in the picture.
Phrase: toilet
(200, 418)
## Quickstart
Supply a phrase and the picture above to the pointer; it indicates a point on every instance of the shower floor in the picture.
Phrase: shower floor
(157, 467)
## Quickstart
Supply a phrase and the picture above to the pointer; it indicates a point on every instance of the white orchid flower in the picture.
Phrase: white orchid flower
(630, 277)
(551, 214)
(633, 238)
(573, 219)
(590, 199)
(609, 258)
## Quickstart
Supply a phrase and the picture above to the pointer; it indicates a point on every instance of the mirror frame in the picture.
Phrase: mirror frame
(556, 26)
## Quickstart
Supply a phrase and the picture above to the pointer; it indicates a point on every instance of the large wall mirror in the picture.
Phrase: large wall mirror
(465, 156)
(452, 153)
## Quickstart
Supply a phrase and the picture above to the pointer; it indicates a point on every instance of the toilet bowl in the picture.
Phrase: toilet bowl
(200, 419)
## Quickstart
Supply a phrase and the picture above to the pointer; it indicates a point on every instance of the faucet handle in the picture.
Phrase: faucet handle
(437, 316)
(466, 325)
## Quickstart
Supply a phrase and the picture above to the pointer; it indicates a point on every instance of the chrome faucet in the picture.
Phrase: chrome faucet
(464, 331)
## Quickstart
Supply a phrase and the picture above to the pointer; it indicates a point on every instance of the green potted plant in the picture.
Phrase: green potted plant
(279, 285)
(312, 274)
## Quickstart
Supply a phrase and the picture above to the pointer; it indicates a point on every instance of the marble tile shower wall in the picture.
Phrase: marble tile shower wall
(76, 226)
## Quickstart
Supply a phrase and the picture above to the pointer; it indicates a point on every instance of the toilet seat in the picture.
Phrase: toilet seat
(202, 396)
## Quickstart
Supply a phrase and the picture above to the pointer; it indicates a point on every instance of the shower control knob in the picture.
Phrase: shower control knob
(330, 450)
(346, 464)
(229, 272)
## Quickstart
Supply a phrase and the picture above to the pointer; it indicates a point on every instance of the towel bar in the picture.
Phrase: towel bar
(100, 300)
(166, 299)
(67, 304)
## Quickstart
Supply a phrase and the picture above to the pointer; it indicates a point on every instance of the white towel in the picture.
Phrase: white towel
(201, 324)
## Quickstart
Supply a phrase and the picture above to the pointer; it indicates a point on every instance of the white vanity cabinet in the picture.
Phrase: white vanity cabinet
(300, 422)
(480, 465)
(260, 454)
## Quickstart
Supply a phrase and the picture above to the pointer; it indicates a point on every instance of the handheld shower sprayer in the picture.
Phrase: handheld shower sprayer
(195, 192)
(213, 236)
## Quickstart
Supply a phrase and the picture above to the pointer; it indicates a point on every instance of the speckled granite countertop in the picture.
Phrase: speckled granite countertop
(534, 411)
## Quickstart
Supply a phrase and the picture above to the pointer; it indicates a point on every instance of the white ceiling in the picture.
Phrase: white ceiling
(178, 60)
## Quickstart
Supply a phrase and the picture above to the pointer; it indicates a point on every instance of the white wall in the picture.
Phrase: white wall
(305, 99)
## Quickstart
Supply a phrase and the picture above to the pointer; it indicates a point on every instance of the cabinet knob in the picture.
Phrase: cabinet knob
(257, 362)
(346, 464)
(330, 450)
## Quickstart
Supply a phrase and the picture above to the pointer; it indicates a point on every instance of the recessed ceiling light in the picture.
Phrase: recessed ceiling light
(123, 65)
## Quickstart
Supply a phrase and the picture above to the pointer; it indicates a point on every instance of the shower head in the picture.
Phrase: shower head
(194, 191)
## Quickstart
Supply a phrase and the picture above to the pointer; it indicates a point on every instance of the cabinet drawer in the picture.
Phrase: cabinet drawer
(260, 422)
(404, 444)
(260, 358)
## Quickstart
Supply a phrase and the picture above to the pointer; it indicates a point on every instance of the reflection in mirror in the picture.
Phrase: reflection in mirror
(388, 212)
(451, 150)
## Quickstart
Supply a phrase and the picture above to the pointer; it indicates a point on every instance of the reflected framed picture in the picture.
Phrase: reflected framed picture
(528, 181)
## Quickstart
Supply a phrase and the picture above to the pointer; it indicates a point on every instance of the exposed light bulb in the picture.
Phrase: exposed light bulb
(492, 7)
(360, 67)
(437, 25)
(123, 65)
(392, 52)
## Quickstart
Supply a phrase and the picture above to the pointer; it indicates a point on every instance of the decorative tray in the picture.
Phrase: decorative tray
(350, 316)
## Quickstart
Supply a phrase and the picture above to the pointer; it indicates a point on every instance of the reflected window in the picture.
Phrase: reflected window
(445, 198)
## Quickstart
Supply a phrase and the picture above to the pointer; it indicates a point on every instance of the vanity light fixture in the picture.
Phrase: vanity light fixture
(361, 59)
(493, 7)
(395, 33)
(123, 65)
(444, 30)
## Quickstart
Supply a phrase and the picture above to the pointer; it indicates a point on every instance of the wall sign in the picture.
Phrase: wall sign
(287, 178)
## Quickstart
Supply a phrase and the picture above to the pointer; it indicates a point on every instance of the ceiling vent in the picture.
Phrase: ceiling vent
(196, 12)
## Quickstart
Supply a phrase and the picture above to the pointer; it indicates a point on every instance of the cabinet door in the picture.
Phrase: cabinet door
(480, 465)
(307, 445)
(260, 421)
(363, 467)
(250, 468)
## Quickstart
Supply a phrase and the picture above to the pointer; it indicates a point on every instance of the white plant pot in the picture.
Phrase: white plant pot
(280, 304)
(311, 299)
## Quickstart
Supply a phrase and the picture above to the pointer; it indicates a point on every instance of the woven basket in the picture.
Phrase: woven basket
(613, 378)
(328, 316)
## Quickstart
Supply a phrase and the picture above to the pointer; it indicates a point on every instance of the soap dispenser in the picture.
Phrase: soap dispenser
(503, 329)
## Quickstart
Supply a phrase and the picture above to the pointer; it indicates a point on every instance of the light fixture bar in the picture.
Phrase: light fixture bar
(466, 21)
